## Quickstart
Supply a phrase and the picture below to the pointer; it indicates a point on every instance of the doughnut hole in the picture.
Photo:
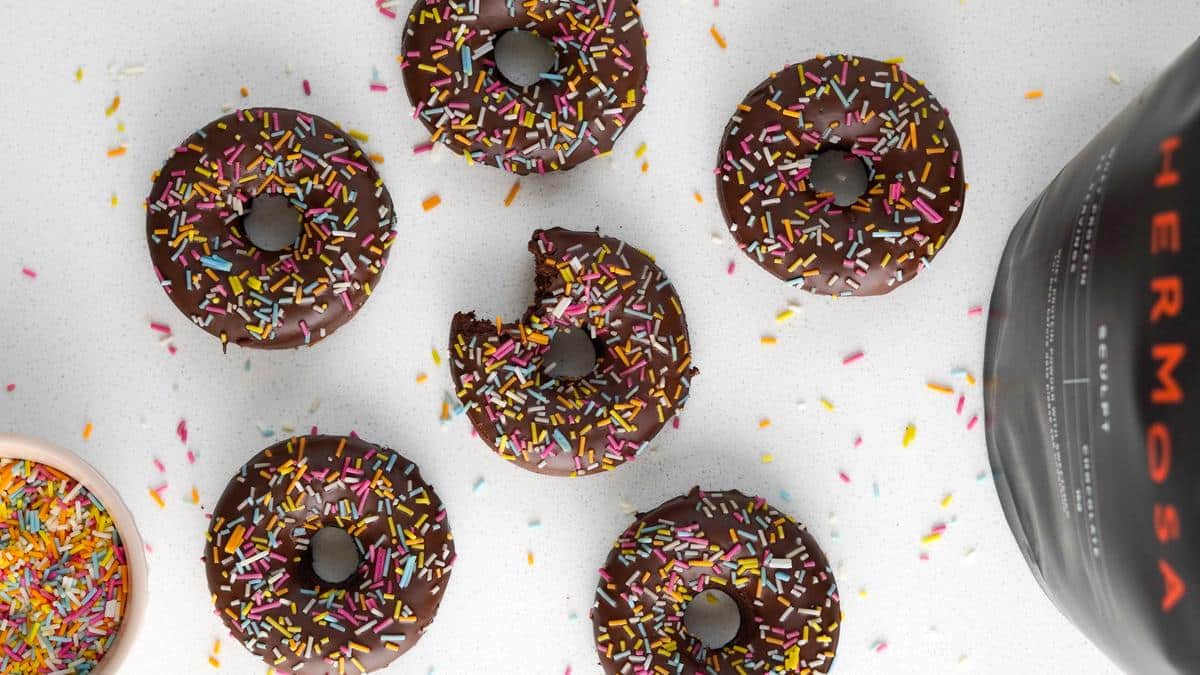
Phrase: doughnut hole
(333, 555)
(713, 618)
(522, 57)
(572, 354)
(272, 223)
(841, 173)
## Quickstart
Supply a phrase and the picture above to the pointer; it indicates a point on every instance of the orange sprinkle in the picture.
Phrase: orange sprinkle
(117, 151)
(421, 378)
(87, 431)
(697, 197)
(112, 107)
(939, 388)
(196, 497)
(445, 411)
(431, 203)
(1034, 94)
(720, 39)
(769, 340)
(512, 194)
(529, 558)
(217, 647)
(244, 92)
(212, 661)
(764, 423)
(375, 157)
(157, 499)
(645, 167)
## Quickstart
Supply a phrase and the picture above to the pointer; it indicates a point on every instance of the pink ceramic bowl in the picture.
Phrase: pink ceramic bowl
(21, 447)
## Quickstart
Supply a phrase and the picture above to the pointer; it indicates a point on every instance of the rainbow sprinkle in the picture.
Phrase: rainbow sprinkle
(63, 575)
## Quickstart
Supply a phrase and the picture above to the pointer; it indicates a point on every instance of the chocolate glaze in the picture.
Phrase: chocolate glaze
(246, 295)
(595, 90)
(662, 562)
(274, 505)
(597, 422)
(855, 105)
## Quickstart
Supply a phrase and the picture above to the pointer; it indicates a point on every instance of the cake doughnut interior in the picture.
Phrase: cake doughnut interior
(267, 585)
(841, 175)
(766, 563)
(591, 286)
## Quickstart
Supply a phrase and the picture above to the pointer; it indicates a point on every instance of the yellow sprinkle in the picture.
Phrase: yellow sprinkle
(1034, 94)
(767, 458)
(120, 127)
(946, 501)
(784, 315)
(244, 92)
(112, 107)
(895, 61)
(529, 558)
(87, 431)
(421, 378)
(862, 593)
(720, 39)
(79, 74)
(113, 201)
(157, 500)
(931, 537)
(212, 661)
(431, 203)
(764, 423)
(769, 340)
(970, 379)
(939, 388)
(910, 433)
(512, 194)
(437, 358)
(217, 647)
(699, 200)
(641, 150)
(827, 404)
(358, 135)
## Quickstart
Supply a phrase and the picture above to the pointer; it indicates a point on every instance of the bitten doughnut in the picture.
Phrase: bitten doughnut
(576, 111)
(246, 295)
(841, 175)
(767, 563)
(260, 564)
(597, 422)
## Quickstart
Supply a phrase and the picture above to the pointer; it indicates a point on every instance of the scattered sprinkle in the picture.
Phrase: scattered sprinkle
(729, 270)
(975, 311)
(377, 86)
(359, 136)
(29, 272)
(973, 421)
(764, 423)
(641, 150)
(785, 315)
(512, 193)
(375, 157)
(112, 107)
(195, 495)
(87, 431)
(162, 468)
(79, 74)
(827, 404)
(10, 388)
(844, 477)
(645, 166)
(720, 39)
(181, 431)
(768, 340)
(307, 88)
(766, 458)
(117, 151)
(1116, 79)
(437, 356)
(852, 358)
(697, 196)
(910, 434)
(939, 388)
(1034, 94)
(431, 203)
(421, 378)
(529, 558)
(113, 201)
(157, 499)
(479, 483)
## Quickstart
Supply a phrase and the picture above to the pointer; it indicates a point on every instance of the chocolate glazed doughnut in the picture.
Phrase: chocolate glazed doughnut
(575, 112)
(597, 422)
(841, 175)
(260, 566)
(243, 294)
(767, 563)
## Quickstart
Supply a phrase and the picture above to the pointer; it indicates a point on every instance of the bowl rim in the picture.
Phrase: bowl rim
(20, 447)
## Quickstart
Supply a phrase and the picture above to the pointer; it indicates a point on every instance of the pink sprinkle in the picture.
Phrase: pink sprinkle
(159, 465)
(191, 457)
(924, 556)
(961, 400)
(843, 476)
(307, 88)
(729, 270)
(938, 528)
(975, 311)
(857, 441)
(28, 272)
(675, 422)
(160, 489)
(11, 388)
(160, 327)
(171, 349)
(973, 422)
(375, 86)
(567, 671)
(422, 148)
(856, 356)
(181, 431)
(385, 11)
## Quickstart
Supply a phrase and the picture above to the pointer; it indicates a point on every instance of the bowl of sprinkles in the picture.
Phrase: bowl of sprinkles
(72, 566)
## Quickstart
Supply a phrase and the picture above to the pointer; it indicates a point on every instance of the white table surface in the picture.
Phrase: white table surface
(77, 344)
